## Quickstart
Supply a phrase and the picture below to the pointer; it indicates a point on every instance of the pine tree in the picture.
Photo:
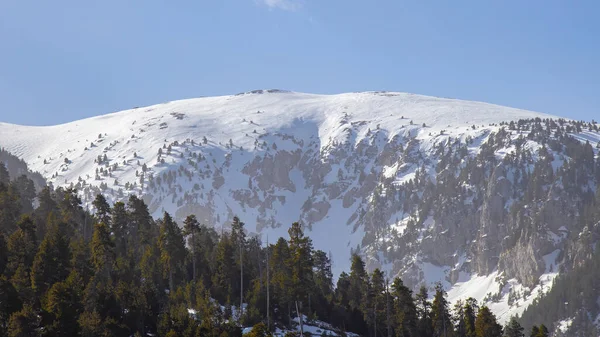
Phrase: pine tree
(281, 276)
(459, 319)
(26, 191)
(150, 270)
(323, 281)
(47, 205)
(486, 324)
(224, 272)
(190, 231)
(102, 251)
(64, 304)
(22, 246)
(358, 282)
(442, 325)
(140, 223)
(542, 331)
(90, 324)
(534, 331)
(120, 229)
(404, 309)
(80, 260)
(378, 298)
(103, 210)
(466, 314)
(172, 249)
(300, 263)
(21, 280)
(513, 329)
(71, 211)
(259, 330)
(52, 261)
(425, 324)
(9, 303)
(24, 323)
(10, 208)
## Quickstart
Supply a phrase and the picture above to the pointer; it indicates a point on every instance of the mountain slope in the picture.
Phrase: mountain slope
(421, 186)
(249, 122)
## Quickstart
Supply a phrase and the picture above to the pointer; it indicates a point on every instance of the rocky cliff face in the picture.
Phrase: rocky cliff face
(431, 189)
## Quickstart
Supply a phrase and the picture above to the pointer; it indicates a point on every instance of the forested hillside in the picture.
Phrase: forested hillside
(66, 272)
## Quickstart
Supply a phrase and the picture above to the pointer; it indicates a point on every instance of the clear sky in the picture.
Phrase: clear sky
(65, 60)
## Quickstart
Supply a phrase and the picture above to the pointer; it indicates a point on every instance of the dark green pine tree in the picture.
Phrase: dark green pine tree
(224, 272)
(103, 211)
(10, 208)
(80, 259)
(26, 190)
(357, 296)
(358, 283)
(9, 303)
(458, 311)
(534, 331)
(280, 274)
(120, 230)
(469, 315)
(405, 311)
(441, 322)
(486, 324)
(52, 261)
(22, 247)
(323, 285)
(172, 250)
(71, 211)
(47, 205)
(541, 331)
(191, 231)
(24, 323)
(425, 325)
(514, 329)
(102, 251)
(140, 222)
(300, 264)
(205, 247)
(22, 244)
(90, 324)
(378, 302)
(64, 304)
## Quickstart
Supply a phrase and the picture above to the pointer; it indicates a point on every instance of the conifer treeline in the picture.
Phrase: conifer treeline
(65, 272)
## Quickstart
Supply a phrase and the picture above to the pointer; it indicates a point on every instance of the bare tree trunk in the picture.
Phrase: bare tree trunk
(300, 319)
(241, 282)
(309, 308)
(375, 318)
(193, 255)
(268, 286)
(289, 315)
(387, 308)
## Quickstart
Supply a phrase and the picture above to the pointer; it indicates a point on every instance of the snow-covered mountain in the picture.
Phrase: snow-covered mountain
(355, 169)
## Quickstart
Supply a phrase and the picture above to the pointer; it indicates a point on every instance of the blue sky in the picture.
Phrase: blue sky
(66, 60)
